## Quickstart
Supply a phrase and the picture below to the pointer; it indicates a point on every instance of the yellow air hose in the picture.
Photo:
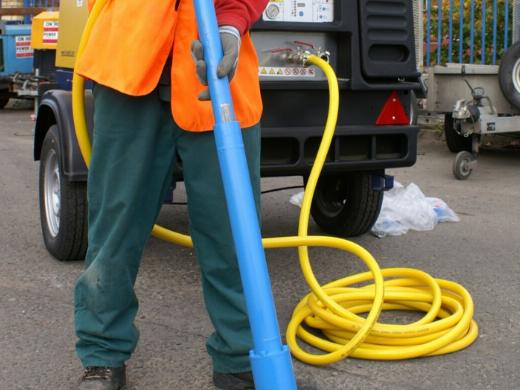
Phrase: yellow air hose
(334, 309)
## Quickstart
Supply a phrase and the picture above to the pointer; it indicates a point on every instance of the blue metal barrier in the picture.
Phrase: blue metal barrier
(458, 22)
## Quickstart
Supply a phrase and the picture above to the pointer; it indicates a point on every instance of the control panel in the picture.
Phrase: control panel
(303, 11)
(279, 54)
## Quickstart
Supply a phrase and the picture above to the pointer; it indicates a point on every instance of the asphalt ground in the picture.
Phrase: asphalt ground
(481, 252)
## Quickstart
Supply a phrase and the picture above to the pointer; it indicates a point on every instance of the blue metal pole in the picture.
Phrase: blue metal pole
(27, 18)
(428, 30)
(472, 31)
(270, 360)
(461, 30)
(483, 46)
(495, 17)
(450, 32)
(439, 30)
(506, 24)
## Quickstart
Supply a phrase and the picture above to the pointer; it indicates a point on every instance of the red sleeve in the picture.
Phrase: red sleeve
(239, 13)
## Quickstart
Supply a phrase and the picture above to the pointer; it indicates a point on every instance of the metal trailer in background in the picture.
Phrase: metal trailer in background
(472, 73)
(23, 70)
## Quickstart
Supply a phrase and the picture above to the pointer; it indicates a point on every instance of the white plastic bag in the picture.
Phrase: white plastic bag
(297, 199)
(442, 211)
(406, 208)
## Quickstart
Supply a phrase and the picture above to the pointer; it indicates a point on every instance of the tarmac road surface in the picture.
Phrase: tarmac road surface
(481, 252)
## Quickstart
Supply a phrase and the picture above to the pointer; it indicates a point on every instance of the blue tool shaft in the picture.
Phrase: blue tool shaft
(270, 360)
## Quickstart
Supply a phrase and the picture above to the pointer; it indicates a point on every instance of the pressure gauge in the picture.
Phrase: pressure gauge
(299, 11)
(272, 11)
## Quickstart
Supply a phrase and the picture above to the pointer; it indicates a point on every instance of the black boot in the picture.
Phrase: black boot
(103, 378)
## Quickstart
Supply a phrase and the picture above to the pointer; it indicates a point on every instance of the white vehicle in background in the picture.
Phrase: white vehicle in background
(477, 100)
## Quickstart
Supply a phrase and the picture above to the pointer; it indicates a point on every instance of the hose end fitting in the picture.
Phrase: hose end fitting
(301, 57)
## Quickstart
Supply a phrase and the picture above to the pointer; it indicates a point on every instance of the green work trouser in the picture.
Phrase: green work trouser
(135, 146)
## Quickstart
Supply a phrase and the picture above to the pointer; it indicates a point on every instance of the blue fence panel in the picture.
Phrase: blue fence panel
(428, 30)
(495, 10)
(457, 23)
(450, 33)
(506, 24)
(483, 32)
(461, 30)
(472, 31)
(439, 29)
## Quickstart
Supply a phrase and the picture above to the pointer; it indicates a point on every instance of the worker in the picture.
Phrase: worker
(151, 110)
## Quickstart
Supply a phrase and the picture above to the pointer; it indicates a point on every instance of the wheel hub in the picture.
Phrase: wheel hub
(516, 76)
(465, 166)
(332, 197)
(52, 194)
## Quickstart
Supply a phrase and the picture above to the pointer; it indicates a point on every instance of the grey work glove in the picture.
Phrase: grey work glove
(230, 38)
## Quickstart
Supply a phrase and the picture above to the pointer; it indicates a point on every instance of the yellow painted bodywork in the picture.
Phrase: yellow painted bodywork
(43, 32)
(72, 18)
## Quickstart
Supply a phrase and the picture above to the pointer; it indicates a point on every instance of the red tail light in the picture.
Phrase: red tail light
(393, 112)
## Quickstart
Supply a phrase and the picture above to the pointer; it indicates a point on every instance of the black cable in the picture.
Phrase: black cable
(263, 192)
(280, 189)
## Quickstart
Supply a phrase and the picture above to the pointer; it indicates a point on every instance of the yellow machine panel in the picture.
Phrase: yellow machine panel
(44, 33)
(73, 16)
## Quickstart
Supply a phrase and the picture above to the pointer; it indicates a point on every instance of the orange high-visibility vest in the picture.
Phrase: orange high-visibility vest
(131, 42)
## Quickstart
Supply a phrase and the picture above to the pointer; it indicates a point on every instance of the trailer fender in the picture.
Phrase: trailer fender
(56, 108)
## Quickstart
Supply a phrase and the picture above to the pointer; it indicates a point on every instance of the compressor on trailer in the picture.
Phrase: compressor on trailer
(377, 75)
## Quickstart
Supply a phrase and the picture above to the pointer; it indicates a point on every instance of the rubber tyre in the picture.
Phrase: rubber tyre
(456, 142)
(63, 204)
(346, 205)
(509, 75)
(461, 168)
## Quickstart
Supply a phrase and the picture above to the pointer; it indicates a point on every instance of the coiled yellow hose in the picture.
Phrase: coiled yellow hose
(334, 308)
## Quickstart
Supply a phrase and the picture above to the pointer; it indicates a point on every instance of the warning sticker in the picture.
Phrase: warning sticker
(23, 46)
(50, 31)
(286, 72)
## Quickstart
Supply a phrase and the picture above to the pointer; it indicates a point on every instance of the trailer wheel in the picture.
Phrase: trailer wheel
(456, 142)
(463, 165)
(509, 75)
(346, 205)
(63, 204)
